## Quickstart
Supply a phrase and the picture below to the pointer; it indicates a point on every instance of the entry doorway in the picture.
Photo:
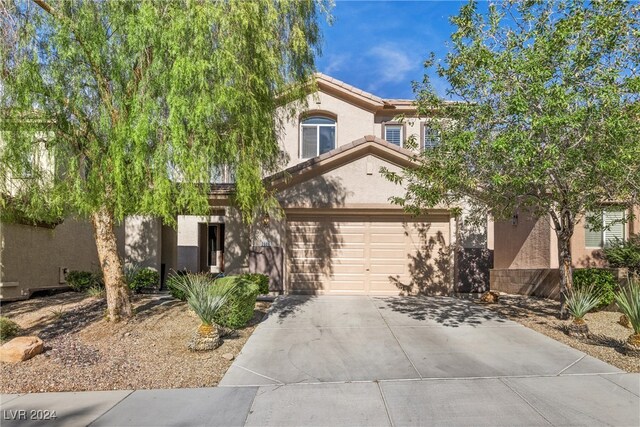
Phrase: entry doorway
(211, 247)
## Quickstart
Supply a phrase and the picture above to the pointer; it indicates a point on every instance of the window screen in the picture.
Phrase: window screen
(393, 134)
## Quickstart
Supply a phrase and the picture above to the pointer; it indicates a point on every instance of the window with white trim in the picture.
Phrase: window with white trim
(393, 134)
(431, 137)
(610, 228)
(318, 135)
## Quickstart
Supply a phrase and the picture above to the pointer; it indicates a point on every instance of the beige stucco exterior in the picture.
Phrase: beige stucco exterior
(31, 258)
(526, 254)
(347, 180)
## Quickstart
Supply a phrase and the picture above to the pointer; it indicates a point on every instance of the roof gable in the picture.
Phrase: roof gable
(340, 156)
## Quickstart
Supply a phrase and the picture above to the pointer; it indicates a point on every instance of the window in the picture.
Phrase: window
(431, 137)
(318, 136)
(393, 134)
(222, 174)
(612, 224)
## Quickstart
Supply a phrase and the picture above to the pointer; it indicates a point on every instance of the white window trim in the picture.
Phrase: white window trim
(399, 125)
(604, 231)
(335, 140)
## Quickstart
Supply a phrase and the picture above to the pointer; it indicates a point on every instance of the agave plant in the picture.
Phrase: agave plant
(579, 302)
(628, 300)
(205, 300)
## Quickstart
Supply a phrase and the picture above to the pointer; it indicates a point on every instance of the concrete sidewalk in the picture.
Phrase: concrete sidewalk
(352, 361)
(588, 400)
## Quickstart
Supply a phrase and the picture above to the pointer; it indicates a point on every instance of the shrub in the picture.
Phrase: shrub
(242, 300)
(96, 292)
(174, 287)
(205, 299)
(629, 302)
(144, 278)
(625, 254)
(581, 300)
(81, 281)
(603, 282)
(8, 328)
(262, 280)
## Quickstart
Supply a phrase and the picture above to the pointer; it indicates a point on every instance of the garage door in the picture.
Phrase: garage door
(366, 254)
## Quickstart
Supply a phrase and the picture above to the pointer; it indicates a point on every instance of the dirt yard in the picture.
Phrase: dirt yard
(607, 336)
(85, 352)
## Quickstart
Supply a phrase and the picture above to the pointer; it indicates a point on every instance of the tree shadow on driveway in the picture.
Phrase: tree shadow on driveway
(288, 306)
(446, 311)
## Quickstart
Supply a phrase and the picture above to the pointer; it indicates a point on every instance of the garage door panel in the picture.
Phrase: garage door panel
(388, 269)
(384, 254)
(355, 285)
(362, 255)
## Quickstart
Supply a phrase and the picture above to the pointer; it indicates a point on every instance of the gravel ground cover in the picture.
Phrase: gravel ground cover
(85, 352)
(607, 336)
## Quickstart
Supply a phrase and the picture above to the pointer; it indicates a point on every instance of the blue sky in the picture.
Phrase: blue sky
(380, 46)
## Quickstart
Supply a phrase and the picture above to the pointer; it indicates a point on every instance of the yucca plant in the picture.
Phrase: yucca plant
(579, 302)
(205, 300)
(628, 300)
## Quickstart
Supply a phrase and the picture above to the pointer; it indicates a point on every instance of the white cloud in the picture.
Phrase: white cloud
(392, 64)
(335, 63)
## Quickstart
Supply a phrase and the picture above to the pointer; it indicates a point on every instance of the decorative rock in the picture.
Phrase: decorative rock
(624, 321)
(578, 329)
(632, 346)
(20, 349)
(205, 339)
(228, 356)
(490, 297)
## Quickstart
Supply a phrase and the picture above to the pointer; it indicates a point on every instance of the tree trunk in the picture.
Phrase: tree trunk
(566, 272)
(564, 225)
(118, 295)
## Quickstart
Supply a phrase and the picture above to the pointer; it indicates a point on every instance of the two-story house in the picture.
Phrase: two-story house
(339, 232)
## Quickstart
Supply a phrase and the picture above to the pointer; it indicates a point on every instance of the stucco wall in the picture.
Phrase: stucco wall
(525, 245)
(188, 238)
(236, 241)
(353, 122)
(143, 242)
(412, 126)
(355, 183)
(32, 256)
(169, 255)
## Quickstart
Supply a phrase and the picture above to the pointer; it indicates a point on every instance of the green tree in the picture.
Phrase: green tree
(121, 107)
(545, 118)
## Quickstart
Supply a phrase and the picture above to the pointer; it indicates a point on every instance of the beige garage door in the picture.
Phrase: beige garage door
(367, 254)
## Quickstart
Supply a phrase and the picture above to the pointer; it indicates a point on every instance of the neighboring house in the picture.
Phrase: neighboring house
(339, 234)
(526, 249)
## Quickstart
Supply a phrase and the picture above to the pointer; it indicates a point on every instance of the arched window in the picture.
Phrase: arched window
(318, 136)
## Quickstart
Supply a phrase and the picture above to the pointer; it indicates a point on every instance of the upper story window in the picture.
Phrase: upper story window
(394, 134)
(430, 137)
(318, 136)
(610, 228)
(222, 174)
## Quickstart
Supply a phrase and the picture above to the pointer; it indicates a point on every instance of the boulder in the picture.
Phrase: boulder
(490, 297)
(20, 349)
(624, 321)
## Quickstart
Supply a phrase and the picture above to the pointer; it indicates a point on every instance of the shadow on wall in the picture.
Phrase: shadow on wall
(595, 260)
(141, 242)
(429, 266)
(311, 244)
(473, 266)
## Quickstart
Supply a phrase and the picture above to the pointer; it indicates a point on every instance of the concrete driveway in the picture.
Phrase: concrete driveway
(360, 361)
(417, 360)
